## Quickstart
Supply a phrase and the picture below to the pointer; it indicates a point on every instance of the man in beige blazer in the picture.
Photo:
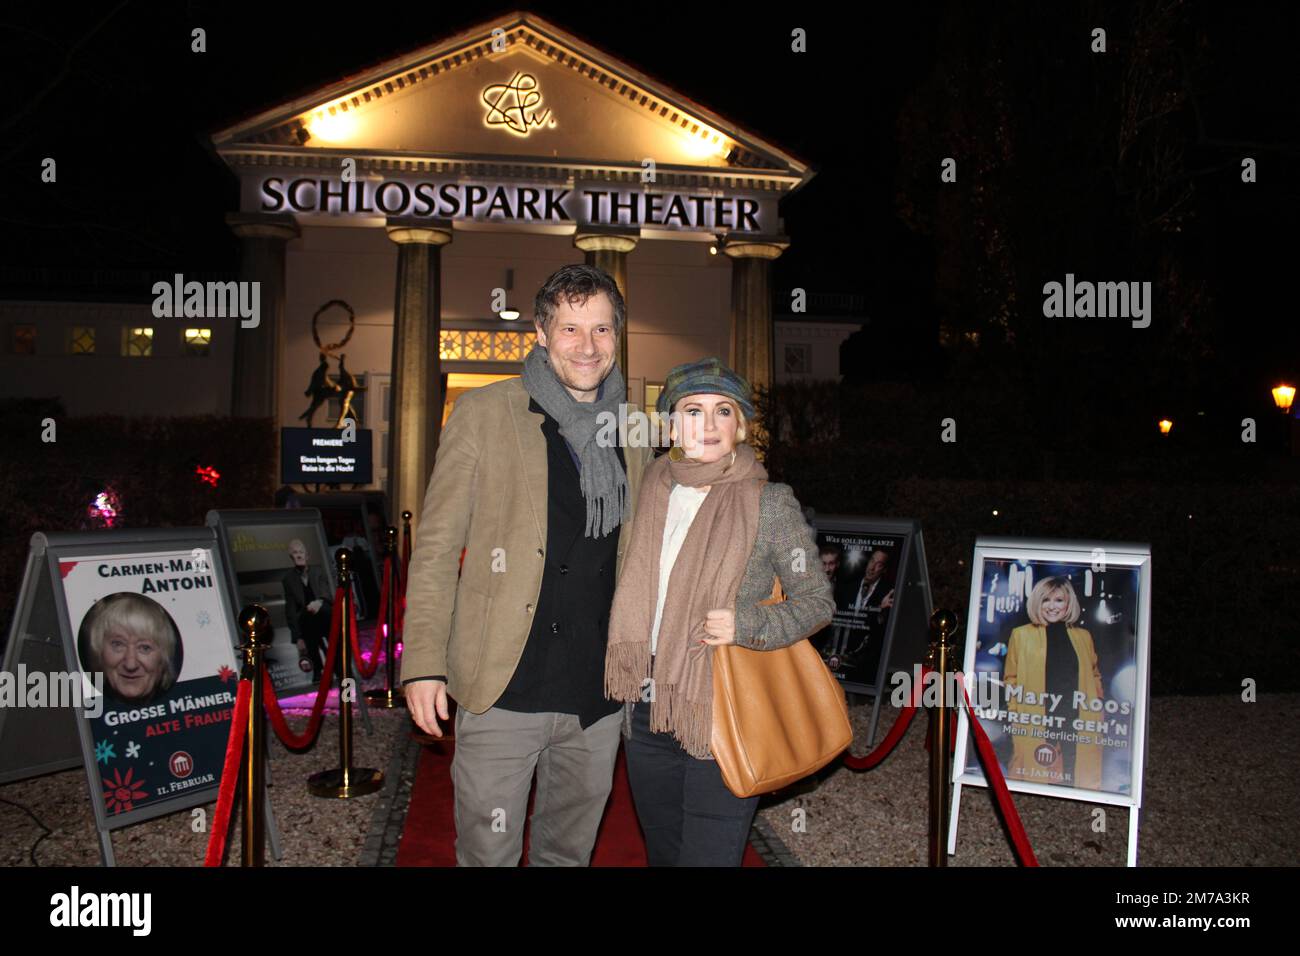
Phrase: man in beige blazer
(527, 481)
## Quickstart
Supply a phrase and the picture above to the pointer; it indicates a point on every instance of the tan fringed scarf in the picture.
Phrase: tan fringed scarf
(706, 576)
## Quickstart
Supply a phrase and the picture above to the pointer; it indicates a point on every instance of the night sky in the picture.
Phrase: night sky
(114, 93)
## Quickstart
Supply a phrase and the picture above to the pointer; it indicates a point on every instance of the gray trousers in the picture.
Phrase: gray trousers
(492, 770)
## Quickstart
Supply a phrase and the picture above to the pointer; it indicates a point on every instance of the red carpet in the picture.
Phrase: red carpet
(427, 839)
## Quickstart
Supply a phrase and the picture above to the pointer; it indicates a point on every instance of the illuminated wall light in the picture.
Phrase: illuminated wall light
(198, 341)
(332, 127)
(137, 342)
(1165, 425)
(509, 314)
(699, 147)
(1283, 396)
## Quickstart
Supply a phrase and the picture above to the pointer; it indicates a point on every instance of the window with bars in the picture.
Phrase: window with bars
(81, 340)
(137, 341)
(197, 341)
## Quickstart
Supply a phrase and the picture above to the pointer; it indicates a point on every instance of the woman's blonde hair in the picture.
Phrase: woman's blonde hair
(139, 615)
(1049, 586)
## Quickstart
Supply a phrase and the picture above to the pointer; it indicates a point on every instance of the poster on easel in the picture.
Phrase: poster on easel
(881, 588)
(139, 623)
(279, 559)
(355, 520)
(1057, 661)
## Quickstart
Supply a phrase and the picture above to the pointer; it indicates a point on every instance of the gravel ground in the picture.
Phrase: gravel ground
(1221, 790)
(315, 831)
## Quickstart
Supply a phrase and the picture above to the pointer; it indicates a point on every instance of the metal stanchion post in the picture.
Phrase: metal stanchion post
(345, 780)
(943, 624)
(391, 695)
(255, 625)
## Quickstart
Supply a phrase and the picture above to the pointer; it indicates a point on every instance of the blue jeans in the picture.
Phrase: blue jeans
(687, 814)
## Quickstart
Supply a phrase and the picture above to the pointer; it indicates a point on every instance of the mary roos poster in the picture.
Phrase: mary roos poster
(155, 626)
(1056, 662)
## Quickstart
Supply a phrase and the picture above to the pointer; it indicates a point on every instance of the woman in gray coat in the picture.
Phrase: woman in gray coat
(709, 534)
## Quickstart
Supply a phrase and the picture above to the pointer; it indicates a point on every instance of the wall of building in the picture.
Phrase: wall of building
(678, 312)
(678, 297)
(820, 342)
(680, 300)
(168, 382)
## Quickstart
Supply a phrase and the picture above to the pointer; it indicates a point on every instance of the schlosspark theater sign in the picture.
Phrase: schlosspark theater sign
(594, 203)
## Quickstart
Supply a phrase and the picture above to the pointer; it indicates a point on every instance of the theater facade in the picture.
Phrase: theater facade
(408, 214)
(434, 193)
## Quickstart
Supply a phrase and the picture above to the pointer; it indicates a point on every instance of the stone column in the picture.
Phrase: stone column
(255, 387)
(415, 415)
(606, 248)
(751, 307)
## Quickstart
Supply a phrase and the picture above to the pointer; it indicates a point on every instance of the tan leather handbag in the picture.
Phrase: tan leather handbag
(777, 715)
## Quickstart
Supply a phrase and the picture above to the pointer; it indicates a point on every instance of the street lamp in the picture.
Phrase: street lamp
(1165, 425)
(1283, 395)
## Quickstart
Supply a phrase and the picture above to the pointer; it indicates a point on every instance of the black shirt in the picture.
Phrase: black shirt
(1061, 676)
(562, 669)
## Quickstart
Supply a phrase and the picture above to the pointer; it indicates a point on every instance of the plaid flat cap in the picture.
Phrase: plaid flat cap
(707, 376)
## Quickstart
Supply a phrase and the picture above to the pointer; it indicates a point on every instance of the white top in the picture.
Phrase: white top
(683, 504)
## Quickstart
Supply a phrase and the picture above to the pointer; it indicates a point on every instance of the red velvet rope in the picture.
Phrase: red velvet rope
(400, 574)
(401, 585)
(386, 595)
(993, 774)
(367, 671)
(363, 669)
(988, 760)
(896, 732)
(229, 776)
(278, 722)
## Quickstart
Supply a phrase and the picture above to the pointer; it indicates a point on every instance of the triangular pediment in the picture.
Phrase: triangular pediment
(515, 88)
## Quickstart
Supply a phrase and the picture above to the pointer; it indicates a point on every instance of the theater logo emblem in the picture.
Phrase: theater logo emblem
(181, 764)
(1045, 755)
(515, 105)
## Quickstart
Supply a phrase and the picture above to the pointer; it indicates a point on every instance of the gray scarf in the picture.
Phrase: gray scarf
(602, 479)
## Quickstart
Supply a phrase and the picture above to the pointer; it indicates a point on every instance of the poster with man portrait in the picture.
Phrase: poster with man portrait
(1057, 650)
(863, 570)
(354, 520)
(155, 625)
(278, 558)
(881, 587)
